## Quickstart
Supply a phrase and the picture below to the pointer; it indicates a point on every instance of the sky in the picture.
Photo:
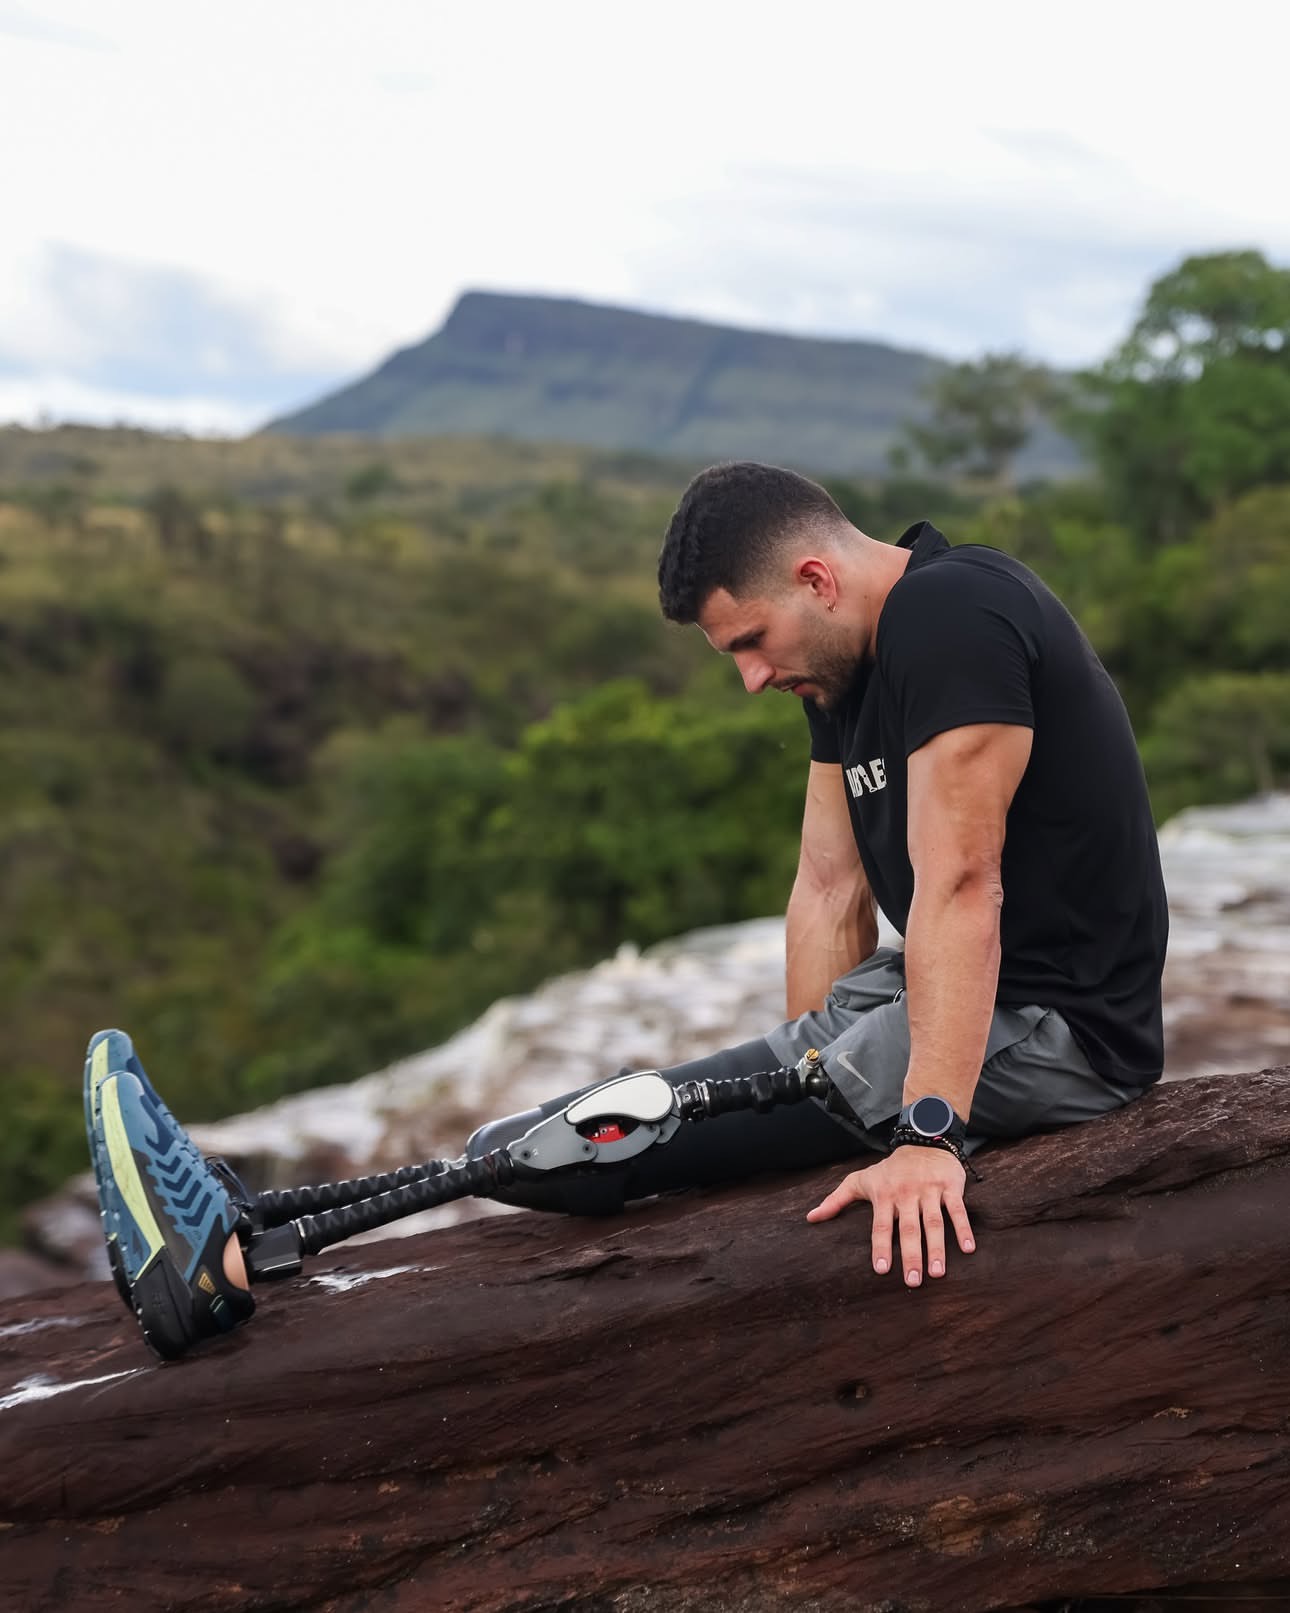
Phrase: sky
(213, 214)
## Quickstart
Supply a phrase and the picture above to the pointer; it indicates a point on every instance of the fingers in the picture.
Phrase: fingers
(911, 1242)
(849, 1191)
(934, 1233)
(962, 1226)
(922, 1223)
(880, 1243)
(912, 1199)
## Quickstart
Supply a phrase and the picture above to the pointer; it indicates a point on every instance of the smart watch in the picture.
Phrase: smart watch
(931, 1118)
(932, 1123)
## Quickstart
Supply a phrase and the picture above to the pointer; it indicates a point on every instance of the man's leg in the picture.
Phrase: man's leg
(1034, 1075)
(723, 1150)
(170, 1217)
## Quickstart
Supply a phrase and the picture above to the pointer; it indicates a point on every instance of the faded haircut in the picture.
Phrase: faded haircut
(730, 529)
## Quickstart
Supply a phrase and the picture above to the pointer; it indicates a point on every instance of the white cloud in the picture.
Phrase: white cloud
(20, 22)
(330, 178)
(45, 396)
(166, 329)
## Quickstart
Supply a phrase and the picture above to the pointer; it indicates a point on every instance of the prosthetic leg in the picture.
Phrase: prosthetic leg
(597, 1133)
(169, 1214)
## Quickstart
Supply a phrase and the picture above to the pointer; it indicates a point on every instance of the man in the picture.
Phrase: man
(973, 772)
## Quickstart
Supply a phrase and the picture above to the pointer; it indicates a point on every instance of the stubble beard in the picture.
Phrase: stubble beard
(833, 662)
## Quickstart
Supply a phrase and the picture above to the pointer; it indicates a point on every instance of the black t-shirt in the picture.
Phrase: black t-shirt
(969, 635)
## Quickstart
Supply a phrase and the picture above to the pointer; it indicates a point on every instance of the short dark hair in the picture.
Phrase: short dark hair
(729, 529)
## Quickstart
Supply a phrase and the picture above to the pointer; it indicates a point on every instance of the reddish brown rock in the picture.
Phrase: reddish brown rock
(706, 1405)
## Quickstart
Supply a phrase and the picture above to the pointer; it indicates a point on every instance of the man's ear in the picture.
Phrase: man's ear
(818, 576)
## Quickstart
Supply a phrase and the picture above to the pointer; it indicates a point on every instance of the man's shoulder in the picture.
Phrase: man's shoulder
(957, 580)
(969, 561)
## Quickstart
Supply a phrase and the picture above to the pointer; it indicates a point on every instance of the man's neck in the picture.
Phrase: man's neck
(879, 570)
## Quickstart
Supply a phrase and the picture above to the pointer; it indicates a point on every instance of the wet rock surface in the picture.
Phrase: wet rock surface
(1227, 981)
(705, 1404)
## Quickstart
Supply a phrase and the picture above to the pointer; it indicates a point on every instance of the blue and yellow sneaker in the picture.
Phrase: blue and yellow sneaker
(167, 1212)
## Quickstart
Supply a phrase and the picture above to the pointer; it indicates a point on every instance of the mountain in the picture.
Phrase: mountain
(556, 370)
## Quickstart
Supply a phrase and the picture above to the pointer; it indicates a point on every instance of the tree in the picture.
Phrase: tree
(982, 413)
(636, 819)
(1223, 595)
(413, 865)
(371, 481)
(1193, 408)
(1227, 305)
(57, 504)
(177, 517)
(1219, 737)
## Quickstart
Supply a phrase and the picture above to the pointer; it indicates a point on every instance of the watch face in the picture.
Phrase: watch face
(933, 1117)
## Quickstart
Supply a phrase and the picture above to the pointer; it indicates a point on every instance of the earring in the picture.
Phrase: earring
(833, 605)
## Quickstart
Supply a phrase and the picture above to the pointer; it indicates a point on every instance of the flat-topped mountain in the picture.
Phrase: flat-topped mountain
(556, 370)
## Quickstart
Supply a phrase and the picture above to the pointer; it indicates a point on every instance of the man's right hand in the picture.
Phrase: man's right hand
(915, 1189)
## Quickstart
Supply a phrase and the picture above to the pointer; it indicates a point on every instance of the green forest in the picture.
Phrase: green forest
(312, 748)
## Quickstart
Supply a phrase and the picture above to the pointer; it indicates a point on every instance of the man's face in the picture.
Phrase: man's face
(789, 643)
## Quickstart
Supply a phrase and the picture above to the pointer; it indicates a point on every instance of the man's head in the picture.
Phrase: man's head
(759, 558)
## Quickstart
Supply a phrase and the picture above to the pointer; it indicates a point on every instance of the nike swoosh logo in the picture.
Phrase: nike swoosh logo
(844, 1059)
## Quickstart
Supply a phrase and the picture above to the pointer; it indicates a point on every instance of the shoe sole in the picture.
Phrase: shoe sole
(99, 1064)
(164, 1307)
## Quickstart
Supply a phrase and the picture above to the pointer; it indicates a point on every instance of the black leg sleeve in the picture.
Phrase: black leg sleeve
(701, 1154)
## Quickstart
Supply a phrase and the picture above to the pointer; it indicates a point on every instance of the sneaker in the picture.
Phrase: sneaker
(167, 1213)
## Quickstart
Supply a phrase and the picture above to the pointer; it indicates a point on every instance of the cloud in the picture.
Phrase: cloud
(405, 83)
(20, 23)
(952, 264)
(264, 201)
(41, 397)
(1047, 147)
(115, 329)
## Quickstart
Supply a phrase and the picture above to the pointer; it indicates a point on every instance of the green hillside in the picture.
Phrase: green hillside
(546, 369)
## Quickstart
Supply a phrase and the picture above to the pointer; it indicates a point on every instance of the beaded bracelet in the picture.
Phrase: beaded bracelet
(907, 1136)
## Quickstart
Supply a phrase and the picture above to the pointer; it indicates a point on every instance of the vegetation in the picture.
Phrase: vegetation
(983, 413)
(1193, 408)
(311, 748)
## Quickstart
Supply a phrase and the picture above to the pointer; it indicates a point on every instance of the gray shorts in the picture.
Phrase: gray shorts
(1034, 1075)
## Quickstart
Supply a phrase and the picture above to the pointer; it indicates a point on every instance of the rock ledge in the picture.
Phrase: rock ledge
(704, 1405)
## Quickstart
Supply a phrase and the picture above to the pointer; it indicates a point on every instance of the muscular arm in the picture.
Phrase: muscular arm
(961, 784)
(831, 923)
